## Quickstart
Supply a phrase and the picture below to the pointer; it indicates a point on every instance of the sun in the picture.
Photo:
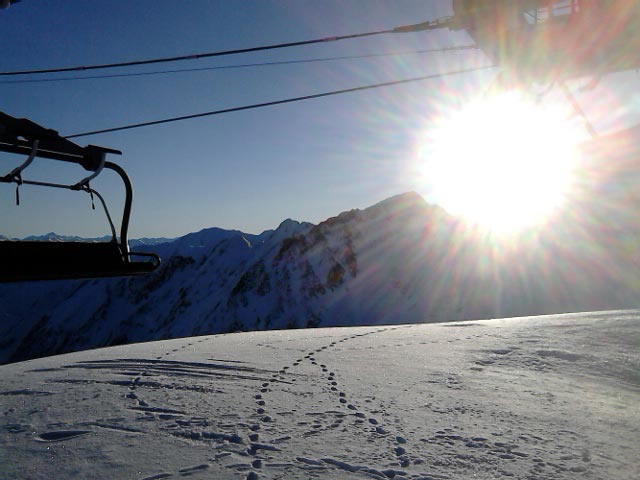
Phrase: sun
(503, 162)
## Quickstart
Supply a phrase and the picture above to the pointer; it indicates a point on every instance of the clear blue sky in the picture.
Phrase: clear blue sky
(247, 170)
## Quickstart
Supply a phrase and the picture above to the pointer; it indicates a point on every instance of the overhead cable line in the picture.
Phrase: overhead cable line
(403, 29)
(244, 65)
(280, 102)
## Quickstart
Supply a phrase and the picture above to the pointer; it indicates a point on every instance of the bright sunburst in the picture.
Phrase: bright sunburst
(504, 162)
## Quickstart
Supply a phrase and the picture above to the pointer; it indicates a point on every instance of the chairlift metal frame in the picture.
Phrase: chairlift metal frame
(33, 260)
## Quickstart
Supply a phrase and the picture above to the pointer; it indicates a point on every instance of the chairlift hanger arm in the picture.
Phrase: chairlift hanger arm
(18, 134)
(23, 147)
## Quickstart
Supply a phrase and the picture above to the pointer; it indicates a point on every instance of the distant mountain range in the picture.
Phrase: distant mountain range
(54, 237)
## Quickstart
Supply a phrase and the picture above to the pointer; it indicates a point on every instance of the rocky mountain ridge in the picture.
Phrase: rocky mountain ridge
(399, 261)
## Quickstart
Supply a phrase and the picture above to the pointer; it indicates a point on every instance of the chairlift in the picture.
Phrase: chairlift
(546, 42)
(38, 260)
(549, 40)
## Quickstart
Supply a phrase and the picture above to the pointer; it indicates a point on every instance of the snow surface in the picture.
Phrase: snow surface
(554, 397)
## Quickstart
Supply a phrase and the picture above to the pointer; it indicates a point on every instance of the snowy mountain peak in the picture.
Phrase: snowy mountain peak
(288, 224)
(403, 200)
(51, 236)
(407, 204)
(286, 229)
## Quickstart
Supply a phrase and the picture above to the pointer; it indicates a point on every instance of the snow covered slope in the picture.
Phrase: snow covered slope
(551, 397)
(400, 261)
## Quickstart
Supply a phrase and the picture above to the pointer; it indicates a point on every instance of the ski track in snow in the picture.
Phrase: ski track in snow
(298, 408)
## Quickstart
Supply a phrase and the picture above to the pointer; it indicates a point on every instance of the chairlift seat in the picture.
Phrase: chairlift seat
(41, 260)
